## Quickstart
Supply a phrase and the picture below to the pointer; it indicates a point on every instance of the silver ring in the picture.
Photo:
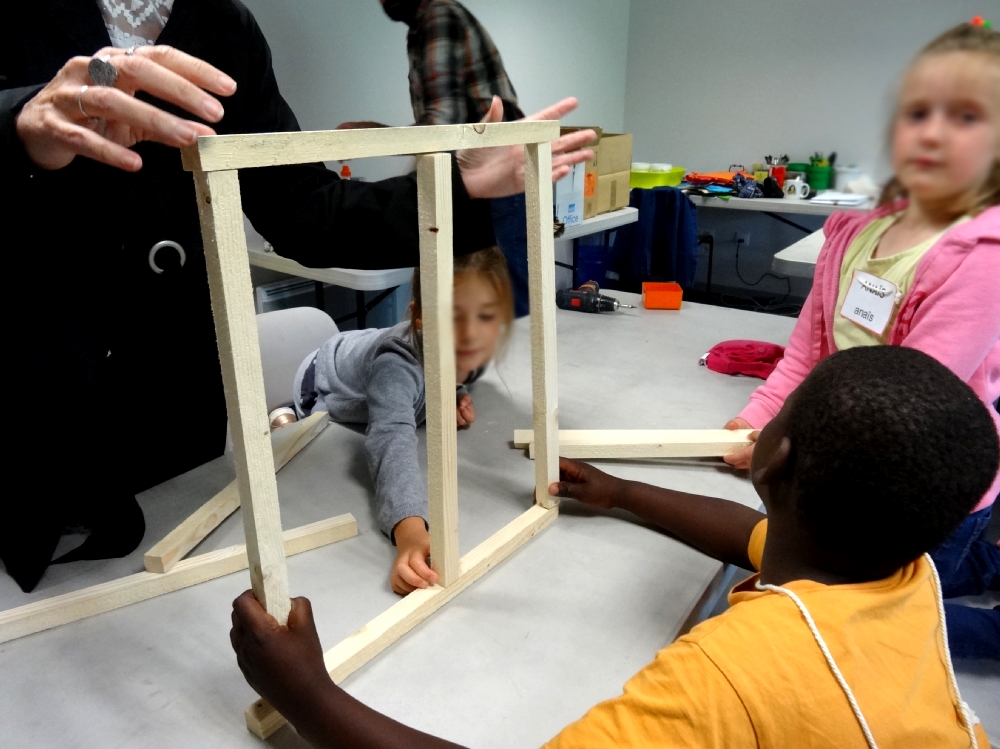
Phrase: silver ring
(130, 51)
(79, 102)
(101, 71)
(156, 248)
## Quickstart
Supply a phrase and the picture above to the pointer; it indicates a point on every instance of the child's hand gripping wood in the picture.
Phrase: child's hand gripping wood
(465, 411)
(413, 545)
(741, 458)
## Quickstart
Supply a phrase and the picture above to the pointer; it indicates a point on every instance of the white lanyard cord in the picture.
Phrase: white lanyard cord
(968, 716)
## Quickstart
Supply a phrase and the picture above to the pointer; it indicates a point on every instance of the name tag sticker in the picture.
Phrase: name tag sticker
(869, 302)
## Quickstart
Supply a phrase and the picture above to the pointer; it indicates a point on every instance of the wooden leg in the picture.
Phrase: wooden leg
(176, 544)
(542, 297)
(351, 654)
(80, 604)
(221, 215)
(436, 290)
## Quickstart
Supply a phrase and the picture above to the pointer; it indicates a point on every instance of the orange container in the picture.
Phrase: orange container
(657, 295)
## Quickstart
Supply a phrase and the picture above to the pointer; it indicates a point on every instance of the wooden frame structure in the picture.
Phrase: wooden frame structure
(214, 162)
(584, 444)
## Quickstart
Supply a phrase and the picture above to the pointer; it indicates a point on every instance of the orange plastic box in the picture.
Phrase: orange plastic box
(657, 295)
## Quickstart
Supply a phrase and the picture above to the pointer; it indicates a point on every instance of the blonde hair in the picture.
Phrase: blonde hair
(491, 265)
(962, 38)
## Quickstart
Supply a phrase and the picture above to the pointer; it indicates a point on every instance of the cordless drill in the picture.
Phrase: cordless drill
(587, 298)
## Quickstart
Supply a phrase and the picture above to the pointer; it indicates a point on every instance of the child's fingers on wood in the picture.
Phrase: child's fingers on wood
(408, 575)
(419, 565)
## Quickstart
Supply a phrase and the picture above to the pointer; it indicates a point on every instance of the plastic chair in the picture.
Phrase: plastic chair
(286, 336)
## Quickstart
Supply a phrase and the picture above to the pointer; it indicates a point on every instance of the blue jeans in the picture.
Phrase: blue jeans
(510, 228)
(969, 565)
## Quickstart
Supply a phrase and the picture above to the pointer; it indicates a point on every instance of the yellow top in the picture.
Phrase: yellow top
(755, 677)
(897, 269)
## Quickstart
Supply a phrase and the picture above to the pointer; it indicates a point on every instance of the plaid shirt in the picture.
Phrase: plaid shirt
(455, 69)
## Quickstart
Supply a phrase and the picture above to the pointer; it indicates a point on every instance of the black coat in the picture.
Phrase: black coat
(78, 273)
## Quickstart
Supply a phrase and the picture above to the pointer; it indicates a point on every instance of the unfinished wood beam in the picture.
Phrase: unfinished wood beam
(221, 214)
(227, 152)
(436, 291)
(641, 443)
(176, 544)
(350, 654)
(80, 604)
(542, 298)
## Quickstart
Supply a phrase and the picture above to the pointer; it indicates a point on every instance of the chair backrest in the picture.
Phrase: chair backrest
(286, 336)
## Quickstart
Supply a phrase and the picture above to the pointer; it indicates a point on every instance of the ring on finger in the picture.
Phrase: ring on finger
(130, 51)
(79, 103)
(101, 71)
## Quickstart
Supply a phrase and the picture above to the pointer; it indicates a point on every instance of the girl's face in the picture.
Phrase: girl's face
(946, 137)
(477, 322)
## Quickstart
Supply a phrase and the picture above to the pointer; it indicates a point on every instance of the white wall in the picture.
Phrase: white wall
(339, 60)
(716, 82)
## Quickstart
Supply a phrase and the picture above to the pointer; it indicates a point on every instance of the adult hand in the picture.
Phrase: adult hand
(413, 545)
(283, 664)
(64, 121)
(359, 125)
(741, 458)
(499, 171)
(587, 484)
(465, 411)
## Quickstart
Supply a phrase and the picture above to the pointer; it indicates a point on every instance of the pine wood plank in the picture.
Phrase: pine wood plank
(641, 443)
(175, 545)
(228, 152)
(80, 604)
(542, 297)
(221, 214)
(349, 655)
(436, 289)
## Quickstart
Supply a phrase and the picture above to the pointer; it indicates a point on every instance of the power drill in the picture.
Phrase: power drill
(587, 298)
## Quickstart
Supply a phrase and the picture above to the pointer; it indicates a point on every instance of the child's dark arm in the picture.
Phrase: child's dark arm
(285, 666)
(716, 527)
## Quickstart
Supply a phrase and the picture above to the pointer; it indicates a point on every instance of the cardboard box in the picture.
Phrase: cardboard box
(615, 154)
(567, 195)
(612, 192)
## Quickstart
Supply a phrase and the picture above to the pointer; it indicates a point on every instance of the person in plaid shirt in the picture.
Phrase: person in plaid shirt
(455, 71)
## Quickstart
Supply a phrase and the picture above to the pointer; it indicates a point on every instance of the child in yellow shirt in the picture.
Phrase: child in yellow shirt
(840, 639)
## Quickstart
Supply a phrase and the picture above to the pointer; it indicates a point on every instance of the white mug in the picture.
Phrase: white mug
(796, 189)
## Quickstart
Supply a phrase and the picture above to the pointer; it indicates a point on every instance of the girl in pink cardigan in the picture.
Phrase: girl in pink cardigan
(923, 270)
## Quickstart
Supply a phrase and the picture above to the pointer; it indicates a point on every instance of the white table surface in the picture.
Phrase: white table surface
(799, 259)
(559, 626)
(775, 205)
(359, 280)
(601, 222)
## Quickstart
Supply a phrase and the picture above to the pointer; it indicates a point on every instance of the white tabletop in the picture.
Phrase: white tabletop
(601, 222)
(774, 205)
(799, 259)
(359, 280)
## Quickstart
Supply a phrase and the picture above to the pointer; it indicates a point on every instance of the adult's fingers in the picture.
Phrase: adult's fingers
(191, 68)
(140, 72)
(147, 121)
(85, 142)
(495, 112)
(556, 111)
(574, 142)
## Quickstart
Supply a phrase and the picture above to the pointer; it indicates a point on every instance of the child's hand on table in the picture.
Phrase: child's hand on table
(741, 458)
(284, 665)
(586, 484)
(466, 411)
(413, 546)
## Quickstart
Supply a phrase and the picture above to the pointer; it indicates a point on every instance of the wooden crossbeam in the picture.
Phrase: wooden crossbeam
(640, 443)
(436, 292)
(350, 654)
(221, 214)
(176, 544)
(80, 604)
(226, 152)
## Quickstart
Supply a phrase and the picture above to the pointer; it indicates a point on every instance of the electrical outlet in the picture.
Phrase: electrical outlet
(742, 237)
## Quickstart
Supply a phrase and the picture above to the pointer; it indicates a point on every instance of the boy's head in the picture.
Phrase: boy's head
(880, 453)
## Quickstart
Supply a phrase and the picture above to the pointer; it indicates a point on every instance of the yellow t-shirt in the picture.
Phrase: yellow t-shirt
(755, 677)
(898, 269)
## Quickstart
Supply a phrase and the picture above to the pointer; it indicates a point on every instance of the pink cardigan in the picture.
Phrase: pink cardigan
(951, 312)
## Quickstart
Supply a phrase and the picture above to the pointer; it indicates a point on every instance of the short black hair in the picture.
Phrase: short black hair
(890, 452)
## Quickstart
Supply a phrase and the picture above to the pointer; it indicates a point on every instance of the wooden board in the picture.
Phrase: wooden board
(80, 604)
(542, 298)
(221, 215)
(437, 311)
(228, 152)
(349, 655)
(584, 444)
(176, 544)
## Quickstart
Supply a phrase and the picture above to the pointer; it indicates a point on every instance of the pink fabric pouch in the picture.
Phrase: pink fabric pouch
(751, 358)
